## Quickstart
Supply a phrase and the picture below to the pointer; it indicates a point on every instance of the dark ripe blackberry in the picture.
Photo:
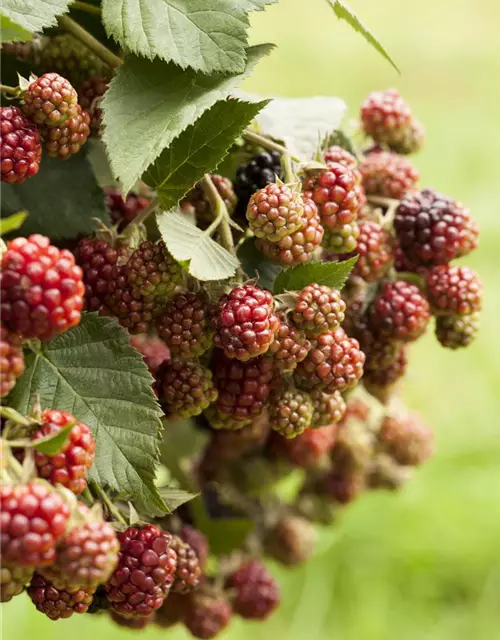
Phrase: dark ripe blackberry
(289, 347)
(97, 259)
(152, 271)
(434, 229)
(375, 251)
(453, 290)
(123, 209)
(153, 350)
(307, 449)
(58, 603)
(185, 388)
(257, 594)
(186, 324)
(455, 332)
(389, 175)
(195, 202)
(399, 312)
(259, 171)
(207, 615)
(11, 360)
(89, 98)
(13, 579)
(20, 146)
(290, 412)
(318, 309)
(328, 408)
(188, 569)
(406, 439)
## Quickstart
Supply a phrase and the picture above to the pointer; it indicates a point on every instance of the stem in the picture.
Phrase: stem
(85, 6)
(89, 41)
(11, 91)
(286, 162)
(104, 498)
(262, 141)
(383, 202)
(221, 215)
(142, 215)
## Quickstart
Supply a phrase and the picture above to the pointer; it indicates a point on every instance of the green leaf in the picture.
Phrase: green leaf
(12, 32)
(330, 274)
(174, 497)
(199, 149)
(149, 104)
(34, 15)
(343, 12)
(206, 35)
(62, 198)
(187, 243)
(53, 444)
(340, 139)
(12, 223)
(93, 372)
(255, 264)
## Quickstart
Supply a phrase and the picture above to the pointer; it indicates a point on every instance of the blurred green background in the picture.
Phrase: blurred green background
(425, 563)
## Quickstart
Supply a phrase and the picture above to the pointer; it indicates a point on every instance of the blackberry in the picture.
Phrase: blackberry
(290, 412)
(386, 117)
(399, 312)
(434, 229)
(257, 594)
(172, 611)
(388, 175)
(197, 541)
(275, 211)
(342, 239)
(260, 170)
(412, 140)
(196, 204)
(335, 362)
(453, 290)
(339, 155)
(135, 624)
(291, 541)
(152, 271)
(232, 444)
(406, 439)
(73, 60)
(11, 360)
(64, 140)
(13, 579)
(222, 421)
(455, 332)
(185, 388)
(89, 97)
(153, 351)
(245, 322)
(308, 448)
(123, 209)
(58, 603)
(328, 408)
(379, 381)
(318, 309)
(207, 615)
(344, 484)
(289, 347)
(188, 569)
(20, 146)
(185, 324)
(375, 250)
(50, 100)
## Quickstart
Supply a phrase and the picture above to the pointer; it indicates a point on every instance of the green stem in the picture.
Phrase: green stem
(286, 163)
(85, 6)
(11, 91)
(104, 498)
(262, 141)
(221, 221)
(89, 41)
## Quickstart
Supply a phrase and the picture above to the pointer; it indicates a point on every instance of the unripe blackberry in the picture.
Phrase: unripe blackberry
(434, 229)
(185, 388)
(342, 239)
(89, 97)
(152, 271)
(246, 322)
(412, 141)
(145, 572)
(257, 594)
(42, 288)
(172, 611)
(188, 569)
(329, 408)
(13, 579)
(224, 422)
(185, 324)
(375, 250)
(20, 146)
(334, 363)
(308, 448)
(291, 541)
(290, 412)
(207, 615)
(230, 444)
(22, 50)
(243, 387)
(58, 603)
(289, 347)
(406, 439)
(153, 350)
(260, 170)
(354, 295)
(453, 290)
(197, 541)
(196, 203)
(300, 246)
(386, 117)
(134, 624)
(389, 175)
(11, 360)
(343, 485)
(455, 332)
(339, 155)
(334, 192)
(399, 312)
(86, 556)
(275, 211)
(71, 465)
(64, 140)
(33, 517)
(123, 209)
(97, 259)
(50, 100)
(318, 309)
(357, 409)
(386, 474)
(380, 380)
